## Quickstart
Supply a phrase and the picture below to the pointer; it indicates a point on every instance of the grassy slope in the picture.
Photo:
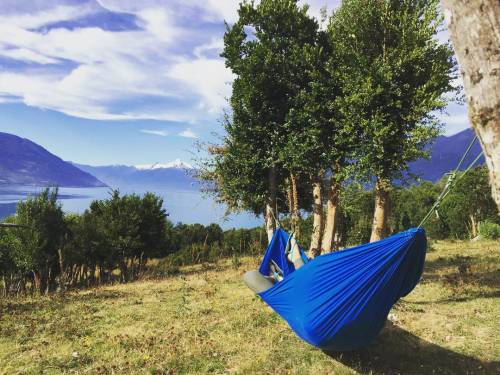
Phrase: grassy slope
(205, 320)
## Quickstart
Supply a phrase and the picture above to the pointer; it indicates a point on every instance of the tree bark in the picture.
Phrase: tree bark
(473, 226)
(475, 32)
(331, 216)
(381, 210)
(295, 207)
(271, 212)
(62, 274)
(315, 248)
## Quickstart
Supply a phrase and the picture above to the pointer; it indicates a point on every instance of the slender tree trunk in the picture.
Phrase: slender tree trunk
(475, 32)
(315, 248)
(36, 281)
(62, 274)
(379, 225)
(271, 211)
(473, 226)
(331, 216)
(295, 215)
(142, 263)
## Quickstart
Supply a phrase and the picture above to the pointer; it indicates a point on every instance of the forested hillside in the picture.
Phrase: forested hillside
(115, 238)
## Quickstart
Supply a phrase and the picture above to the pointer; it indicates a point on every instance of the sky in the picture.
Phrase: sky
(129, 82)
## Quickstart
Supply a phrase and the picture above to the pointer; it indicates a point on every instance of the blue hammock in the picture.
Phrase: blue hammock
(340, 301)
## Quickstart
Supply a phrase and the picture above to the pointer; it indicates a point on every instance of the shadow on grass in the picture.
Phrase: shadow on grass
(466, 298)
(55, 301)
(458, 261)
(397, 351)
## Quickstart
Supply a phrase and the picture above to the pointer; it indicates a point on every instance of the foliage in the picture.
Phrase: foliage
(490, 230)
(397, 73)
(53, 250)
(40, 242)
(357, 99)
(123, 232)
(264, 49)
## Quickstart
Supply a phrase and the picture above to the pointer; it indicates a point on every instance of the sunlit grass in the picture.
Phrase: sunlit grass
(204, 320)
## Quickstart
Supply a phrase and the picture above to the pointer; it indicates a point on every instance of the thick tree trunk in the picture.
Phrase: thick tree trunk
(475, 32)
(315, 248)
(271, 212)
(331, 216)
(381, 210)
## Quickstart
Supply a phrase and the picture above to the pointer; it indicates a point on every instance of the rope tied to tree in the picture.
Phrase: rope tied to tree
(453, 178)
(275, 219)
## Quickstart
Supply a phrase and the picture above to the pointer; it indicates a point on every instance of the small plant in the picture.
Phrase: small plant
(235, 261)
(165, 268)
(489, 230)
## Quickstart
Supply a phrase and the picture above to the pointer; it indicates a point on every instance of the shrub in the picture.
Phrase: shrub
(489, 229)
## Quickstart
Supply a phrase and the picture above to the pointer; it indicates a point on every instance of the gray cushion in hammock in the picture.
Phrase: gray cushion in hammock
(257, 282)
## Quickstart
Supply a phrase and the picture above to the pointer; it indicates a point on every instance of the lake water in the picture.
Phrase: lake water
(189, 206)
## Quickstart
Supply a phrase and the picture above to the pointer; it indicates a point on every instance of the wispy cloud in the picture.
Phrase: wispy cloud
(160, 62)
(188, 133)
(161, 133)
(92, 71)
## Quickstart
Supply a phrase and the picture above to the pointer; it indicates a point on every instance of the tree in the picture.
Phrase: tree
(468, 204)
(41, 242)
(399, 73)
(475, 27)
(130, 228)
(248, 170)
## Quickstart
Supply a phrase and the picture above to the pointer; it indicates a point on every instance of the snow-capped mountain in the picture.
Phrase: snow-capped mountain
(175, 175)
(177, 163)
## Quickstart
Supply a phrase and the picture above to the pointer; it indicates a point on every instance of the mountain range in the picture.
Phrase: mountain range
(23, 162)
(175, 176)
(445, 156)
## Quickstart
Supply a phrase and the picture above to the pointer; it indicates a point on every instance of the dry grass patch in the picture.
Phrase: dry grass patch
(205, 321)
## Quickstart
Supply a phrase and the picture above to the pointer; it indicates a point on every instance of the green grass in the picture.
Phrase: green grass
(204, 320)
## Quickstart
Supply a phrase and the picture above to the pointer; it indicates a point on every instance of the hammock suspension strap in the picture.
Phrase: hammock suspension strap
(453, 178)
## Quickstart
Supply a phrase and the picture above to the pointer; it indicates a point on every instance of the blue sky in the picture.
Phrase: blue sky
(121, 81)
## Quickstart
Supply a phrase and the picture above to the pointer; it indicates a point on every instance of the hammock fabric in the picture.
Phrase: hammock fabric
(340, 301)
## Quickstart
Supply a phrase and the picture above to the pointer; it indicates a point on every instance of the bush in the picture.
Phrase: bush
(489, 230)
(164, 268)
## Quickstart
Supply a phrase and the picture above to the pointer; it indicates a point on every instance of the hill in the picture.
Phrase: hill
(204, 320)
(23, 162)
(174, 176)
(445, 155)
(446, 152)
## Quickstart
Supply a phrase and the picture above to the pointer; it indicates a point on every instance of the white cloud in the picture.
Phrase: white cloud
(99, 74)
(216, 44)
(456, 120)
(161, 133)
(188, 133)
(209, 78)
(47, 15)
(24, 54)
(165, 70)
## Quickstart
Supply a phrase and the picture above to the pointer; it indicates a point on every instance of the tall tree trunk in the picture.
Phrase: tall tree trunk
(475, 32)
(473, 226)
(315, 248)
(295, 206)
(62, 274)
(271, 211)
(381, 209)
(37, 281)
(331, 216)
